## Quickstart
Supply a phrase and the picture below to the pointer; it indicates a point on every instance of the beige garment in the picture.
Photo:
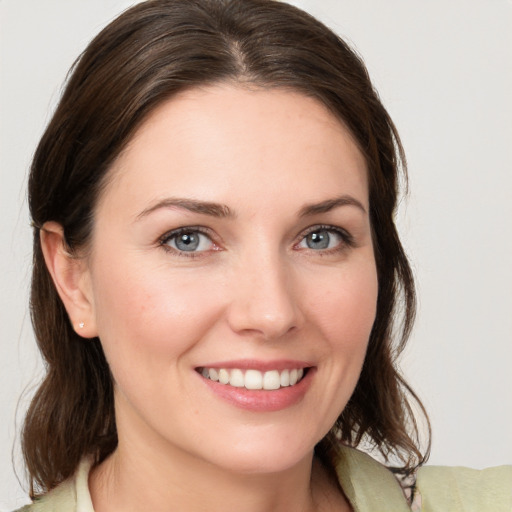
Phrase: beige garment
(369, 486)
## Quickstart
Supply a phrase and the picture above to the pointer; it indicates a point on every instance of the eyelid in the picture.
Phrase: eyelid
(173, 233)
(346, 236)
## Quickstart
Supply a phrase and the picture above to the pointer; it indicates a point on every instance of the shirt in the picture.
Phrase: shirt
(368, 485)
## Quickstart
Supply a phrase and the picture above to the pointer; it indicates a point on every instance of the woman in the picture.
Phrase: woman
(216, 272)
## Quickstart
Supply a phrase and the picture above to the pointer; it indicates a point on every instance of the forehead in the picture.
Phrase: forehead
(225, 142)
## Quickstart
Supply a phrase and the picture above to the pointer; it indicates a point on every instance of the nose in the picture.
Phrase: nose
(264, 302)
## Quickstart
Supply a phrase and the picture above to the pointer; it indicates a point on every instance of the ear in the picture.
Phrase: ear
(71, 276)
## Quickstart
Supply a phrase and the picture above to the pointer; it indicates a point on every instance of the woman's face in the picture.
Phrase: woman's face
(233, 242)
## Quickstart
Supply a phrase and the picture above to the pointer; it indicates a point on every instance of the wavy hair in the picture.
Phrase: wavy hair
(147, 55)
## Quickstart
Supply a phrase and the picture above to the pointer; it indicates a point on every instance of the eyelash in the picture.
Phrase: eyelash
(347, 239)
(175, 233)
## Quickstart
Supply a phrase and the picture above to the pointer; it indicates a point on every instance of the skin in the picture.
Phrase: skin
(255, 290)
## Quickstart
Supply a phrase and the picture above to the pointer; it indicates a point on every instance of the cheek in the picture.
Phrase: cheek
(344, 312)
(346, 308)
(154, 315)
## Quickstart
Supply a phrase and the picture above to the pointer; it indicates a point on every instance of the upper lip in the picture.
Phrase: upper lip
(254, 364)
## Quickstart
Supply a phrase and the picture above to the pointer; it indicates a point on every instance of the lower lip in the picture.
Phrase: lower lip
(262, 400)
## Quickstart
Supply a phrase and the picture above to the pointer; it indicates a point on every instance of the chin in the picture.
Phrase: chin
(266, 464)
(263, 454)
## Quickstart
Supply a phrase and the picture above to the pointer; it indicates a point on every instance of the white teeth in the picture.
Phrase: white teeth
(271, 380)
(254, 379)
(237, 379)
(223, 376)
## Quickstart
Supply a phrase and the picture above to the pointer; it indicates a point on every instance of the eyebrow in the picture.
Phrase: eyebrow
(223, 211)
(192, 205)
(330, 204)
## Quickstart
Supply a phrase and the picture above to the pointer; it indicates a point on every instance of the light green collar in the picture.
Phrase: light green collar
(368, 485)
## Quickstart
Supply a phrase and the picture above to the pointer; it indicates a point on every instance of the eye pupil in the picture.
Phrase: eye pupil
(187, 242)
(318, 240)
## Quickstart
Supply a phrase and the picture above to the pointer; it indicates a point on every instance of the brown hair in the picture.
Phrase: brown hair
(145, 56)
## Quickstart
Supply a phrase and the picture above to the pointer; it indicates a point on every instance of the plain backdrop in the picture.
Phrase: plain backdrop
(444, 71)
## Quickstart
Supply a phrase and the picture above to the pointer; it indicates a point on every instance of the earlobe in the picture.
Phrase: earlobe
(71, 278)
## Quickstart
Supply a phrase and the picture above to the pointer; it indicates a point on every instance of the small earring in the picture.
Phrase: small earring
(81, 325)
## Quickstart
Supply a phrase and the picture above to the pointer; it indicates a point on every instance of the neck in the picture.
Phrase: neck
(146, 472)
(130, 482)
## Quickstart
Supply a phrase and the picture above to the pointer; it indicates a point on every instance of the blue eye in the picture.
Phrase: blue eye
(188, 240)
(321, 239)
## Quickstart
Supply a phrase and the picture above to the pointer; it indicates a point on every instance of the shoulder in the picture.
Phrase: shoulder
(370, 486)
(71, 495)
(60, 499)
(465, 489)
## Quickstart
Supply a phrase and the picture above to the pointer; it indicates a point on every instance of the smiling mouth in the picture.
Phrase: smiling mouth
(254, 379)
